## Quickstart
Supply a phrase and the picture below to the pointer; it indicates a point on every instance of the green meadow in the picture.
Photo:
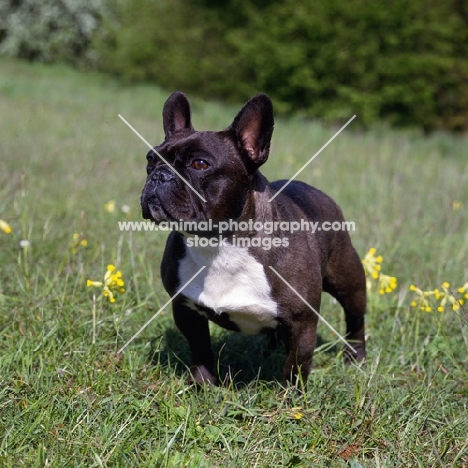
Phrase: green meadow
(68, 399)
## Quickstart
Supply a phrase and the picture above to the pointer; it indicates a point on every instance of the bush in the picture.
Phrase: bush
(174, 43)
(49, 30)
(403, 62)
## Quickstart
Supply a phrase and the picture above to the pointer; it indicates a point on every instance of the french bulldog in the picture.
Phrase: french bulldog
(270, 280)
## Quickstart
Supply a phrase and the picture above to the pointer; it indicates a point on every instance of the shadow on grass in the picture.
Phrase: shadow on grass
(239, 358)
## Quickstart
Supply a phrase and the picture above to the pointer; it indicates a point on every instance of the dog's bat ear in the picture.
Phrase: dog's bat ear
(176, 114)
(253, 127)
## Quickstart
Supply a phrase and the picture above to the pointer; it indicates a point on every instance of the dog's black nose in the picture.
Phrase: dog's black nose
(163, 175)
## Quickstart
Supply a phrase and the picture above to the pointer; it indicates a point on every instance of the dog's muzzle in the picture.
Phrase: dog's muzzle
(160, 181)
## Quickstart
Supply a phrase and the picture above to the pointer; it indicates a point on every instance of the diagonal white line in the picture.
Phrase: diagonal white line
(154, 151)
(313, 310)
(312, 158)
(161, 309)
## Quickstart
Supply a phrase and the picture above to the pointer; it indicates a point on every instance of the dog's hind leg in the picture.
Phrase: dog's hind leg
(345, 280)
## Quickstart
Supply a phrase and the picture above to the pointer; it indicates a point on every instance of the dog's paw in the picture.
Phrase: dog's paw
(200, 375)
(357, 355)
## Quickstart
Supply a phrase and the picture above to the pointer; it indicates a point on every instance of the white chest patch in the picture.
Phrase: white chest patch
(233, 282)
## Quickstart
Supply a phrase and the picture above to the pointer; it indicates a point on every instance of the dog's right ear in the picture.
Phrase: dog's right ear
(176, 114)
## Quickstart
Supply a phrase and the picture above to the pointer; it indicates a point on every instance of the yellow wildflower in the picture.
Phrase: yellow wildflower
(5, 227)
(372, 268)
(110, 206)
(387, 283)
(78, 241)
(112, 284)
(296, 413)
(422, 298)
(447, 298)
(457, 205)
(371, 263)
(464, 289)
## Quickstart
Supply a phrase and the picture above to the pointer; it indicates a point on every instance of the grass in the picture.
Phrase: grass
(68, 399)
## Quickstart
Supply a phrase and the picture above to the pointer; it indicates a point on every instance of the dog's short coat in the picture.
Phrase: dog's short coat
(237, 289)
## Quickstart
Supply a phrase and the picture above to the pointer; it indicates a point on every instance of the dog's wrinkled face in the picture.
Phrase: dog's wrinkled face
(217, 165)
(218, 178)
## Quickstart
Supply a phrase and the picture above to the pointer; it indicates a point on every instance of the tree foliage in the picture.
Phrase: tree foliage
(402, 62)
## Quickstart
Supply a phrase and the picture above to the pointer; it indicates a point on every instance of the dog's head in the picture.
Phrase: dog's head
(196, 176)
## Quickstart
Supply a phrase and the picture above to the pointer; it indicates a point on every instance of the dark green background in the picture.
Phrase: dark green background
(404, 61)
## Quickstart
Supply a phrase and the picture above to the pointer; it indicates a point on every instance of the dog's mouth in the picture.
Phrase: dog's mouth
(155, 211)
(160, 208)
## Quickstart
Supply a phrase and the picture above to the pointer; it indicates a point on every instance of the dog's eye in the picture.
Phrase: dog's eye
(200, 164)
(150, 165)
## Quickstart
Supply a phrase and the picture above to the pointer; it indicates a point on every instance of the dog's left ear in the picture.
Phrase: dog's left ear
(253, 127)
(176, 114)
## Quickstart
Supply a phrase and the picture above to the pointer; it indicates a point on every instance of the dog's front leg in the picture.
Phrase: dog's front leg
(196, 330)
